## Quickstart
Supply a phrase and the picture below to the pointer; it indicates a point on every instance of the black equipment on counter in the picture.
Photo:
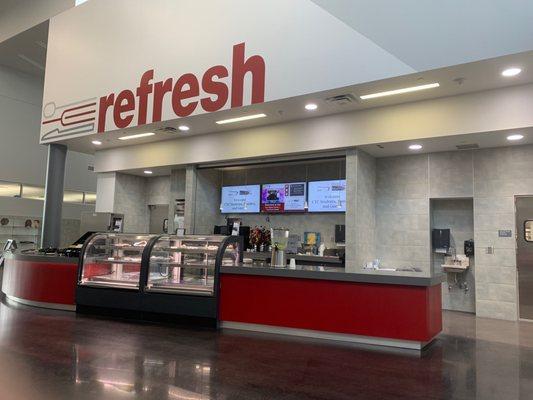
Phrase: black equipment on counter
(244, 231)
(340, 233)
(469, 248)
(220, 230)
(440, 239)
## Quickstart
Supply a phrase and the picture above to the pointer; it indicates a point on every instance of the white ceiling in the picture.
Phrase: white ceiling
(429, 34)
(26, 51)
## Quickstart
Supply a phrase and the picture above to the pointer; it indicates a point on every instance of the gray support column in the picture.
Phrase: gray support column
(53, 200)
(351, 211)
(190, 198)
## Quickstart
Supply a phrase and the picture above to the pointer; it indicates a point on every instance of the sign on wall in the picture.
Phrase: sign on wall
(125, 63)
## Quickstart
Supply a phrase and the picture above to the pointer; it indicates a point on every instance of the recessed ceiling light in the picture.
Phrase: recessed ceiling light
(96, 142)
(183, 128)
(415, 147)
(311, 106)
(139, 135)
(399, 91)
(239, 119)
(514, 137)
(148, 172)
(511, 71)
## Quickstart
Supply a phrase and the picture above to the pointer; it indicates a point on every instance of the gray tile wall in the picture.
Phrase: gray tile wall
(365, 222)
(402, 212)
(130, 200)
(499, 175)
(157, 190)
(207, 200)
(458, 216)
(492, 177)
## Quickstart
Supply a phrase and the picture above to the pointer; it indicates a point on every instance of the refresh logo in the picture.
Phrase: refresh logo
(183, 95)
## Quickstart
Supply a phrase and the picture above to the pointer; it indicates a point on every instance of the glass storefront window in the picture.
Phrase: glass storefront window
(32, 192)
(90, 198)
(528, 231)
(8, 189)
(72, 197)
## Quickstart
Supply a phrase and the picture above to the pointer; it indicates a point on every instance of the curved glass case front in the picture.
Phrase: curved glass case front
(113, 260)
(188, 264)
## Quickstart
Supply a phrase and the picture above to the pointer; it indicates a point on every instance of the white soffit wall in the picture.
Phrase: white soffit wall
(105, 47)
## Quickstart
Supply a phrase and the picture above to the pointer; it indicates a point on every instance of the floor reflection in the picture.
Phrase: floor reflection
(55, 355)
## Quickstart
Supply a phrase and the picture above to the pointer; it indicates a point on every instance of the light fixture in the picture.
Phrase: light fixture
(239, 119)
(515, 136)
(513, 71)
(311, 107)
(183, 128)
(96, 142)
(138, 135)
(415, 147)
(399, 91)
(148, 172)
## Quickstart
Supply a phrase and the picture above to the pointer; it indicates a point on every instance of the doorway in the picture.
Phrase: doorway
(159, 218)
(524, 255)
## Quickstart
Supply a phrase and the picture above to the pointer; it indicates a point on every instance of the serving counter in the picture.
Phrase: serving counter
(312, 301)
(328, 303)
(40, 280)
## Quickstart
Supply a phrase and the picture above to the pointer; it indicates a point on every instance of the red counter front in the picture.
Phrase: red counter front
(411, 314)
(41, 281)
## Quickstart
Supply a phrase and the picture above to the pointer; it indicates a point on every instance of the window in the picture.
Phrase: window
(8, 189)
(32, 192)
(90, 198)
(528, 231)
(72, 197)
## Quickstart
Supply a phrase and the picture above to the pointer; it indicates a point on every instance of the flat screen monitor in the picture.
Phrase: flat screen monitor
(327, 196)
(283, 197)
(240, 199)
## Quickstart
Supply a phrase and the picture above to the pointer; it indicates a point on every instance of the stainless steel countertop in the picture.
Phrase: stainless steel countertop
(301, 271)
(299, 257)
(51, 258)
(332, 274)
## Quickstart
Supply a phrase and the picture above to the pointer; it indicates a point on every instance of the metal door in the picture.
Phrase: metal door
(524, 255)
(158, 215)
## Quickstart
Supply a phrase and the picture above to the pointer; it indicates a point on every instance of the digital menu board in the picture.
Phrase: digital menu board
(282, 197)
(240, 199)
(327, 196)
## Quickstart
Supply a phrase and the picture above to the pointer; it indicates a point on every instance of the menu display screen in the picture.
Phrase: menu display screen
(240, 199)
(282, 197)
(327, 196)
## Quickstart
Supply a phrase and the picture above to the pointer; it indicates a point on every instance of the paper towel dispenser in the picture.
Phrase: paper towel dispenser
(440, 239)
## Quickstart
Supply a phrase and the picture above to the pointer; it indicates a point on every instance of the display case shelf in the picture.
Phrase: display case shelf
(105, 261)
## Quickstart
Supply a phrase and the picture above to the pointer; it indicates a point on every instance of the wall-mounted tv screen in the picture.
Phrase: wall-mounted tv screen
(327, 196)
(283, 197)
(240, 199)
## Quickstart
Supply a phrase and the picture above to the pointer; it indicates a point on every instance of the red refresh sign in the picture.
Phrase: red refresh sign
(184, 94)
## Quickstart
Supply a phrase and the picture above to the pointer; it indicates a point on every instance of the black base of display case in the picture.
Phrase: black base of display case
(120, 299)
(149, 317)
(153, 307)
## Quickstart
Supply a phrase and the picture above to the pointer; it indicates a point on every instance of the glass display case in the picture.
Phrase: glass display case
(113, 260)
(188, 264)
(154, 277)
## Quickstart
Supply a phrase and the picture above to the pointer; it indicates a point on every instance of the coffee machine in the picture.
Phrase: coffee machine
(280, 239)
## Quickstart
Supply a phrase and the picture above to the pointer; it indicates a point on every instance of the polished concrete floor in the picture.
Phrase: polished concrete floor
(57, 355)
